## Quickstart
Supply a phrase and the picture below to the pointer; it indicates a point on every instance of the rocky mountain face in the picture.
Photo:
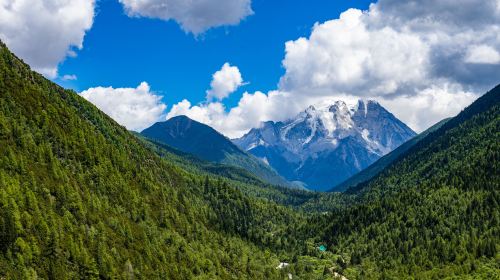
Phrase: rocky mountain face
(327, 143)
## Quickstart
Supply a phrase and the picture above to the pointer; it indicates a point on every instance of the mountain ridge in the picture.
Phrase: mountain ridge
(203, 141)
(327, 143)
(178, 132)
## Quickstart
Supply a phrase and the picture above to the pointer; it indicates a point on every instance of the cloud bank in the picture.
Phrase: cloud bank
(134, 108)
(45, 32)
(422, 59)
(195, 16)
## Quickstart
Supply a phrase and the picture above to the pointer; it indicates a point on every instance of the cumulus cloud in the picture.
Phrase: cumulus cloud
(195, 16)
(397, 47)
(134, 108)
(224, 82)
(432, 104)
(453, 30)
(252, 109)
(450, 14)
(69, 77)
(424, 60)
(207, 113)
(482, 54)
(346, 56)
(44, 32)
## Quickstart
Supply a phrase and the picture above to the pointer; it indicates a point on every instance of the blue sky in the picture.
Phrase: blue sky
(120, 51)
(143, 61)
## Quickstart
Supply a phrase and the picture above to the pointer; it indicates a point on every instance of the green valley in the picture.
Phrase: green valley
(81, 197)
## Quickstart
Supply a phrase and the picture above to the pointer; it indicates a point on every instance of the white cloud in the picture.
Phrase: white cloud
(482, 54)
(194, 16)
(252, 109)
(69, 77)
(423, 59)
(134, 108)
(345, 56)
(202, 113)
(224, 82)
(397, 47)
(44, 32)
(452, 30)
(422, 110)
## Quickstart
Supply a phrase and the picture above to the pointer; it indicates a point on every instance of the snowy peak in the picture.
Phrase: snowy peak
(327, 124)
(356, 132)
(337, 120)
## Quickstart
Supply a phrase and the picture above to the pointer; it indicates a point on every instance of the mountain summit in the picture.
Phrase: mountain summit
(192, 137)
(327, 143)
(201, 140)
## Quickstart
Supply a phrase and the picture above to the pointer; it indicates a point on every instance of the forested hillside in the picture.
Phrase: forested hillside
(433, 213)
(378, 166)
(81, 197)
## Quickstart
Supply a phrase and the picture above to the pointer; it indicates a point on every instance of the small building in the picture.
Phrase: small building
(282, 265)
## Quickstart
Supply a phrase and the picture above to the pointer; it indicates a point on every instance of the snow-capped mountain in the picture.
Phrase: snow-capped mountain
(327, 143)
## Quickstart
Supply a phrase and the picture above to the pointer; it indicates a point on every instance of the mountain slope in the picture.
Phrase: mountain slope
(243, 180)
(434, 212)
(205, 142)
(81, 197)
(193, 137)
(327, 143)
(375, 168)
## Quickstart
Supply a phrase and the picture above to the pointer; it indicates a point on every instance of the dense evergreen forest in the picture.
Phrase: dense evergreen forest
(435, 211)
(82, 197)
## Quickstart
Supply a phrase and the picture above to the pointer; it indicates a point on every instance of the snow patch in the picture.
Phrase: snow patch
(264, 159)
(366, 108)
(373, 145)
(366, 134)
(327, 120)
(256, 144)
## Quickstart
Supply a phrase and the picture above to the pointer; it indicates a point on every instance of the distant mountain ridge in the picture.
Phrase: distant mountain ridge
(195, 138)
(192, 137)
(327, 143)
